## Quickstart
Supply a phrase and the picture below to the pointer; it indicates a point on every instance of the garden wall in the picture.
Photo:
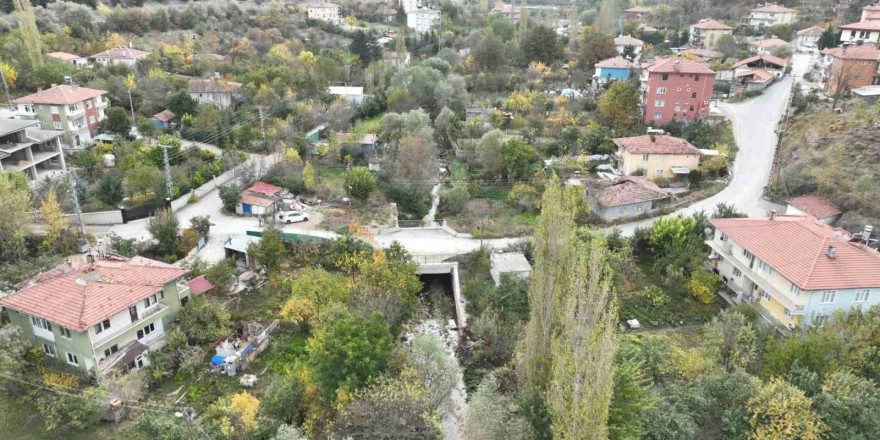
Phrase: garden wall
(97, 218)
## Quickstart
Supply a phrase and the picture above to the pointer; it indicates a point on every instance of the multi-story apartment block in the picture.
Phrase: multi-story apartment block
(797, 270)
(848, 67)
(100, 317)
(769, 15)
(77, 111)
(676, 89)
(26, 148)
(422, 20)
(323, 12)
(656, 156)
(707, 33)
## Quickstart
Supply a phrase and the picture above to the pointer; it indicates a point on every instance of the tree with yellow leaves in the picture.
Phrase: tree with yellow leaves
(236, 415)
(779, 410)
(56, 224)
(308, 175)
(27, 25)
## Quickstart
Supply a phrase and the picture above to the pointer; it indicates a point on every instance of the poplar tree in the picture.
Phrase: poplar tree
(552, 253)
(27, 24)
(581, 383)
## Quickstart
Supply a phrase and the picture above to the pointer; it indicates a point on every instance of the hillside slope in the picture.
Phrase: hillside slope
(837, 156)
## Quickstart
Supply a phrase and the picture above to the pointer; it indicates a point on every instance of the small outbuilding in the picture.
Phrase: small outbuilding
(509, 263)
(815, 206)
(259, 199)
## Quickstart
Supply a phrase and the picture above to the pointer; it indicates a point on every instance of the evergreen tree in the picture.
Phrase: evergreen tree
(27, 24)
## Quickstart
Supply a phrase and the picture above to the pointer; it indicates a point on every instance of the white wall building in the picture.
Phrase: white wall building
(25, 147)
(423, 20)
(324, 12)
(771, 14)
(120, 55)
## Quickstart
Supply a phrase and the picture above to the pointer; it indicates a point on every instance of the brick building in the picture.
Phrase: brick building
(676, 89)
(849, 67)
(77, 111)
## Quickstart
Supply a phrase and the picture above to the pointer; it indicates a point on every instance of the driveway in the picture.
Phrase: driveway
(754, 125)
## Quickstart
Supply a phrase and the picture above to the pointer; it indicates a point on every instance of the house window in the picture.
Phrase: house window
(49, 349)
(659, 103)
(645, 157)
(737, 272)
(153, 299)
(72, 359)
(658, 116)
(693, 95)
(41, 323)
(862, 295)
(724, 237)
(763, 294)
(828, 296)
(72, 108)
(53, 109)
(111, 350)
(92, 119)
(100, 327)
(662, 158)
(664, 77)
(748, 255)
(146, 331)
(58, 125)
(696, 77)
(788, 313)
(65, 333)
(692, 108)
(89, 104)
(820, 320)
(661, 90)
(658, 173)
(795, 290)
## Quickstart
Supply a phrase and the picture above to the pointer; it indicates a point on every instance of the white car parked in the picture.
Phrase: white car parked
(291, 217)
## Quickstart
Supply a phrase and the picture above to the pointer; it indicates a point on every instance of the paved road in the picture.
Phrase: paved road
(754, 124)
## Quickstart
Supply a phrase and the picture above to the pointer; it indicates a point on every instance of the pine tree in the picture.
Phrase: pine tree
(607, 20)
(552, 252)
(581, 383)
(523, 20)
(27, 23)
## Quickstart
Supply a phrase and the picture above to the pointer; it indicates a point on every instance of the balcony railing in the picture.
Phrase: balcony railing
(153, 310)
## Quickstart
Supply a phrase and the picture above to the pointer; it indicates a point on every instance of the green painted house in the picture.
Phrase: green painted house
(100, 317)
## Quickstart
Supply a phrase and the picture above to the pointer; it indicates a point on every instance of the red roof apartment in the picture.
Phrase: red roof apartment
(676, 89)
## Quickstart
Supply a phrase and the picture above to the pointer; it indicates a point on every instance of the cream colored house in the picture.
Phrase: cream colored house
(656, 156)
(769, 15)
(324, 12)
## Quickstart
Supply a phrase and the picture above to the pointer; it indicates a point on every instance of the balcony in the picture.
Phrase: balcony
(795, 304)
(79, 111)
(42, 333)
(100, 341)
(182, 290)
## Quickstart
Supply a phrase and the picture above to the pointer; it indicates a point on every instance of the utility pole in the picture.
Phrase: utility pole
(131, 106)
(72, 178)
(168, 182)
(262, 128)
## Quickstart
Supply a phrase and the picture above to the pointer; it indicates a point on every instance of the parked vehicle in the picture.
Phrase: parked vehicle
(291, 217)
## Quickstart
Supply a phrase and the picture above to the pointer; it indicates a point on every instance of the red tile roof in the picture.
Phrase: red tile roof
(199, 285)
(617, 62)
(264, 188)
(641, 9)
(256, 199)
(122, 53)
(626, 40)
(767, 58)
(678, 65)
(814, 205)
(164, 116)
(768, 43)
(703, 53)
(759, 75)
(80, 298)
(773, 8)
(712, 25)
(62, 95)
(624, 191)
(873, 25)
(863, 52)
(64, 56)
(797, 248)
(813, 31)
(650, 144)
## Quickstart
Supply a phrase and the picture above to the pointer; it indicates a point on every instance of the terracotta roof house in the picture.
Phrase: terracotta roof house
(214, 91)
(77, 111)
(769, 15)
(768, 44)
(653, 156)
(199, 285)
(815, 206)
(163, 119)
(622, 197)
(849, 67)
(755, 79)
(636, 13)
(764, 61)
(643, 28)
(74, 59)
(91, 317)
(624, 41)
(676, 89)
(808, 39)
(798, 271)
(613, 69)
(120, 55)
(863, 31)
(259, 199)
(706, 33)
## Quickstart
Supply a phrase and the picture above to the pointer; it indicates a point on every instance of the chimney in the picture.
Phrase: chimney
(677, 65)
(68, 80)
(653, 138)
(772, 214)
(832, 251)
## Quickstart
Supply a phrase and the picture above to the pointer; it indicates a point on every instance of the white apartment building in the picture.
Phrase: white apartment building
(423, 20)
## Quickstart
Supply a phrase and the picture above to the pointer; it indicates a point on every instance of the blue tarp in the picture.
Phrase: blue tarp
(218, 359)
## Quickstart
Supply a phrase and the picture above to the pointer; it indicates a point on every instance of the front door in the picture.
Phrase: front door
(133, 312)
(245, 208)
